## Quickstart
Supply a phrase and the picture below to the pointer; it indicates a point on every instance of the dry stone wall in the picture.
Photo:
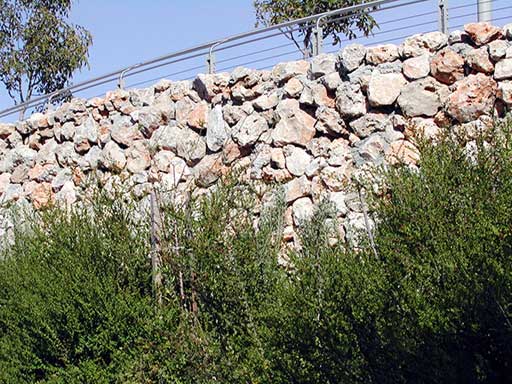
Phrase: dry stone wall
(312, 126)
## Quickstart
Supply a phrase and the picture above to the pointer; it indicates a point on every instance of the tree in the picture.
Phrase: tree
(39, 49)
(272, 12)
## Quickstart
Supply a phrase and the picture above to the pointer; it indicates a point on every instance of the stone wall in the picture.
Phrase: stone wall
(310, 125)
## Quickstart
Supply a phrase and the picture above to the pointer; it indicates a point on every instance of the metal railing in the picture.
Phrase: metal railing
(266, 46)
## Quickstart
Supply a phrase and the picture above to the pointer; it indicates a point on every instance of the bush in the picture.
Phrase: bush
(431, 305)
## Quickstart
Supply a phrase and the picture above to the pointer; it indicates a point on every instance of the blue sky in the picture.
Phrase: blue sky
(126, 32)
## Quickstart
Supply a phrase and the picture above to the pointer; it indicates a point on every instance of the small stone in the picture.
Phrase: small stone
(505, 92)
(303, 210)
(125, 133)
(293, 87)
(208, 170)
(417, 67)
(336, 178)
(284, 71)
(383, 90)
(297, 160)
(67, 194)
(507, 31)
(5, 180)
(249, 129)
(230, 152)
(233, 114)
(297, 188)
(350, 101)
(198, 116)
(497, 49)
(329, 121)
(322, 65)
(478, 59)
(314, 167)
(351, 57)
(112, 157)
(331, 81)
(6, 130)
(338, 199)
(295, 126)
(42, 195)
(190, 146)
(474, 97)
(503, 69)
(138, 157)
(381, 54)
(277, 159)
(419, 98)
(165, 137)
(216, 129)
(482, 33)
(369, 123)
(421, 44)
(265, 102)
(63, 175)
(447, 66)
(402, 152)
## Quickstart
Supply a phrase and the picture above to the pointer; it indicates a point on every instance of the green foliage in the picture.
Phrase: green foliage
(272, 12)
(431, 306)
(39, 49)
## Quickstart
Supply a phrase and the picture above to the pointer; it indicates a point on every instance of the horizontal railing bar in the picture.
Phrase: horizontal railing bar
(92, 82)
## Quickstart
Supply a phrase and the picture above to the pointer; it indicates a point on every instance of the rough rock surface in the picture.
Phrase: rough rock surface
(312, 126)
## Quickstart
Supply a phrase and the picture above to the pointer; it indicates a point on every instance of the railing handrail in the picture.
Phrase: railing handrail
(121, 73)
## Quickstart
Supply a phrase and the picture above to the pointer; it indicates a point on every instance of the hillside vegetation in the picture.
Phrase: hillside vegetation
(430, 302)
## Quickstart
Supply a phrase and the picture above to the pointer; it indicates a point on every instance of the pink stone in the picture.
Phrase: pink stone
(474, 97)
(447, 66)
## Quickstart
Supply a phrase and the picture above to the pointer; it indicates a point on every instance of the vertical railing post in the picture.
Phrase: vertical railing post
(317, 40)
(442, 8)
(484, 10)
(318, 37)
(210, 62)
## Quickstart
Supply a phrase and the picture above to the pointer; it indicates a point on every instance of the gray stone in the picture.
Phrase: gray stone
(503, 69)
(233, 114)
(66, 155)
(419, 98)
(370, 123)
(351, 57)
(63, 175)
(350, 101)
(322, 65)
(216, 129)
(165, 137)
(361, 76)
(190, 146)
(92, 158)
(265, 102)
(124, 132)
(498, 49)
(138, 158)
(249, 129)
